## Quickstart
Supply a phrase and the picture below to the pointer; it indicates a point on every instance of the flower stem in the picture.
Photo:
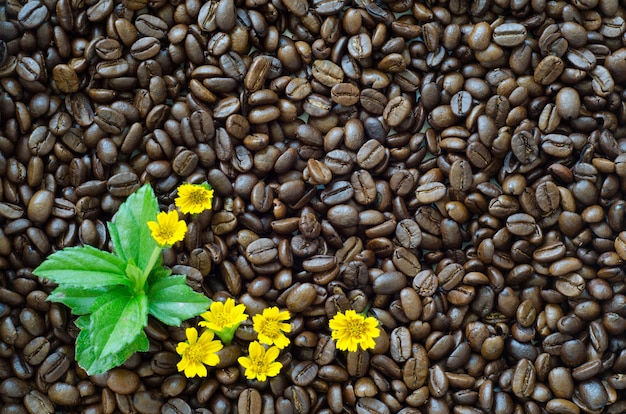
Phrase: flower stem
(156, 253)
(367, 309)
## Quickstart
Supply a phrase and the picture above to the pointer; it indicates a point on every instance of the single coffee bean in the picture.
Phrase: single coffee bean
(327, 73)
(408, 233)
(53, 367)
(524, 378)
(509, 34)
(33, 14)
(37, 402)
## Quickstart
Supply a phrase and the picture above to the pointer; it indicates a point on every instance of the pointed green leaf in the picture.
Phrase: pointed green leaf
(136, 277)
(95, 363)
(111, 294)
(158, 272)
(171, 301)
(115, 241)
(83, 322)
(78, 299)
(116, 323)
(129, 230)
(83, 266)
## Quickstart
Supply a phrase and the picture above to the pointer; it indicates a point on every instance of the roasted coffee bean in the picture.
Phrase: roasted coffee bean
(33, 14)
(53, 367)
(524, 378)
(36, 350)
(37, 402)
(509, 34)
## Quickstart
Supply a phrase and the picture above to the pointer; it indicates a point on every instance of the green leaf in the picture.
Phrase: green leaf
(136, 277)
(130, 235)
(171, 301)
(95, 363)
(116, 323)
(112, 294)
(83, 322)
(158, 272)
(83, 266)
(78, 299)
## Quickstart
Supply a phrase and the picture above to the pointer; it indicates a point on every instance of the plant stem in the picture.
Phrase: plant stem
(367, 309)
(153, 258)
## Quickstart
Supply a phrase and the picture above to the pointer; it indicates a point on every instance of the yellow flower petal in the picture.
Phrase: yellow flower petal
(274, 369)
(352, 330)
(222, 316)
(196, 352)
(167, 229)
(269, 327)
(192, 335)
(244, 362)
(194, 198)
(256, 350)
(260, 363)
(272, 353)
(281, 341)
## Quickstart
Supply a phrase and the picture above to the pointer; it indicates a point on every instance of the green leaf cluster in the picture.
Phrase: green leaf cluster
(113, 293)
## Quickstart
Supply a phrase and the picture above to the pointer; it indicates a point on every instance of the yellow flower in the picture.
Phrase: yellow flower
(195, 353)
(194, 198)
(270, 328)
(351, 330)
(259, 363)
(167, 230)
(223, 315)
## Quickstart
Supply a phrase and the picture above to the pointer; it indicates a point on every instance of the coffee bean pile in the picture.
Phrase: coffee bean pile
(456, 167)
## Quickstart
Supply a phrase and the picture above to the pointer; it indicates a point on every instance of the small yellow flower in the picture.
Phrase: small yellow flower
(223, 315)
(260, 363)
(167, 230)
(196, 353)
(352, 329)
(194, 198)
(270, 328)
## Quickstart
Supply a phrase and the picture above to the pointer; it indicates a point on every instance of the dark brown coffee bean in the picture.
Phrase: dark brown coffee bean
(37, 402)
(249, 401)
(300, 298)
(327, 73)
(40, 206)
(548, 70)
(63, 394)
(408, 233)
(389, 283)
(397, 111)
(524, 378)
(33, 14)
(509, 34)
(304, 373)
(520, 224)
(175, 405)
(14, 388)
(36, 350)
(122, 381)
(461, 175)
(345, 94)
(370, 405)
(123, 184)
(53, 367)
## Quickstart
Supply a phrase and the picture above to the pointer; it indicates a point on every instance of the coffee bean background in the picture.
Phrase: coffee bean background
(458, 165)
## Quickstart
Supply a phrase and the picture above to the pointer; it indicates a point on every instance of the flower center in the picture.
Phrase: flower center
(356, 329)
(270, 328)
(261, 365)
(167, 232)
(221, 320)
(197, 197)
(194, 353)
